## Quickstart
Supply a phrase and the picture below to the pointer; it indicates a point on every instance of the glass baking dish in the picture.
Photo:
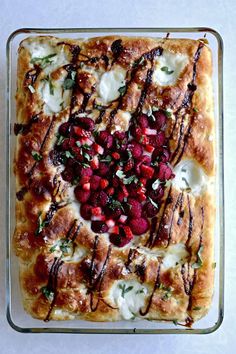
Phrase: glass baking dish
(16, 316)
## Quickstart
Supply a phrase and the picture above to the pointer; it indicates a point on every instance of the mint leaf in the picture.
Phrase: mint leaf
(43, 61)
(47, 293)
(199, 262)
(36, 155)
(124, 290)
(166, 70)
(122, 90)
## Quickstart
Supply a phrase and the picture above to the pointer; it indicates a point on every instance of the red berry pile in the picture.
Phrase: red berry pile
(119, 177)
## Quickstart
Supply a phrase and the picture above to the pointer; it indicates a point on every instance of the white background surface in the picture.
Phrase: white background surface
(220, 15)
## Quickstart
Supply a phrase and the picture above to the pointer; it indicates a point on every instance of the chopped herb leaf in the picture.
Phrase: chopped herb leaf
(168, 114)
(140, 291)
(60, 139)
(197, 308)
(122, 90)
(68, 84)
(69, 154)
(36, 156)
(62, 104)
(153, 203)
(41, 224)
(124, 290)
(175, 322)
(155, 184)
(167, 296)
(84, 164)
(115, 204)
(195, 109)
(214, 265)
(63, 245)
(47, 293)
(98, 106)
(31, 88)
(120, 174)
(130, 179)
(86, 146)
(43, 61)
(87, 156)
(166, 70)
(199, 262)
(107, 159)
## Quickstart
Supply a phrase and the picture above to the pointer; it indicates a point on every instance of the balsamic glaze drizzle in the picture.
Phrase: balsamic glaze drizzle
(95, 284)
(177, 204)
(186, 104)
(190, 226)
(156, 285)
(52, 284)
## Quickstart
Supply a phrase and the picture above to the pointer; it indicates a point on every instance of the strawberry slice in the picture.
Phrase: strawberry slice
(86, 186)
(78, 131)
(96, 211)
(147, 171)
(98, 148)
(149, 131)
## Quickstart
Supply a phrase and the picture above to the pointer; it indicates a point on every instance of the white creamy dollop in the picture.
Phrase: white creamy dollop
(110, 83)
(54, 96)
(189, 175)
(168, 68)
(129, 296)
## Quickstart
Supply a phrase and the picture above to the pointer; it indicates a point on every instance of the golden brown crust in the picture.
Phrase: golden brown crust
(181, 292)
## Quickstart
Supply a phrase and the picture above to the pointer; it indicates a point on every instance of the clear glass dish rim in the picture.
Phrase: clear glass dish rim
(219, 160)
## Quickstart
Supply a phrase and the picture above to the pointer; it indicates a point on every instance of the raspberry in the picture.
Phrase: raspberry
(161, 154)
(164, 172)
(129, 165)
(136, 149)
(149, 210)
(68, 175)
(157, 140)
(86, 171)
(99, 227)
(139, 226)
(96, 211)
(86, 211)
(95, 182)
(160, 120)
(103, 169)
(133, 208)
(94, 163)
(64, 129)
(104, 183)
(99, 199)
(118, 240)
(105, 139)
(81, 195)
(120, 135)
(67, 144)
(86, 123)
(143, 121)
(156, 195)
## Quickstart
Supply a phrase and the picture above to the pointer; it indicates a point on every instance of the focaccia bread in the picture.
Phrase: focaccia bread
(115, 170)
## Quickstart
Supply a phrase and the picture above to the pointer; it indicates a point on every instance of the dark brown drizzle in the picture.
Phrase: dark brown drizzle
(177, 204)
(95, 283)
(190, 225)
(186, 104)
(25, 128)
(156, 285)
(52, 284)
